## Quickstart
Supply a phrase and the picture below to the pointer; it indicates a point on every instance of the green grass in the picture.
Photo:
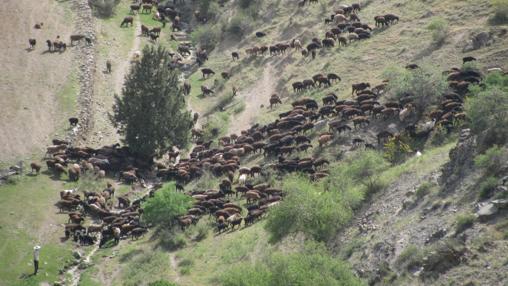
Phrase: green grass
(29, 218)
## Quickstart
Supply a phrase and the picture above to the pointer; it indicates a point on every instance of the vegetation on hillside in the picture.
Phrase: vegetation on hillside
(310, 266)
(152, 113)
(165, 206)
(487, 110)
(320, 209)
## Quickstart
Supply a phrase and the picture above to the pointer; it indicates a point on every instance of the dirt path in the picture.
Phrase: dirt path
(174, 265)
(256, 95)
(124, 67)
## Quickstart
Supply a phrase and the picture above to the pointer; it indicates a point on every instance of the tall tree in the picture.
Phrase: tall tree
(152, 113)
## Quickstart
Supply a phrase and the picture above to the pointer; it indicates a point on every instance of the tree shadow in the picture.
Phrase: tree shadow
(28, 50)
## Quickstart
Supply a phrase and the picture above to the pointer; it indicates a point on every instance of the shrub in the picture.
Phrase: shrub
(309, 210)
(464, 221)
(410, 258)
(104, 8)
(215, 126)
(397, 149)
(239, 108)
(492, 160)
(487, 187)
(165, 206)
(312, 266)
(364, 168)
(162, 283)
(206, 37)
(423, 190)
(501, 12)
(238, 26)
(424, 85)
(439, 28)
(199, 232)
(171, 241)
(438, 135)
(487, 111)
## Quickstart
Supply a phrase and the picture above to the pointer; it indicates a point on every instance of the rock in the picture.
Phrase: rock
(436, 235)
(408, 203)
(85, 265)
(478, 41)
(487, 211)
(500, 204)
(76, 254)
(461, 160)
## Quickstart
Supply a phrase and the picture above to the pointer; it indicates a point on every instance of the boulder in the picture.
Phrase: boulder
(487, 211)
(77, 254)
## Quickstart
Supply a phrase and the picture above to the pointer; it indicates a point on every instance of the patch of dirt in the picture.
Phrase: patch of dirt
(256, 95)
(174, 265)
(103, 132)
(31, 80)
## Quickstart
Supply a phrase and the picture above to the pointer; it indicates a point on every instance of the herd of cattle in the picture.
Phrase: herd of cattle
(282, 142)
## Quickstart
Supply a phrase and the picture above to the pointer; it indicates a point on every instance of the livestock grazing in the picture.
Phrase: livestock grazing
(207, 72)
(186, 88)
(206, 90)
(135, 8)
(73, 121)
(225, 75)
(333, 77)
(31, 43)
(146, 8)
(274, 100)
(153, 36)
(260, 34)
(35, 167)
(235, 55)
(356, 87)
(324, 139)
(76, 38)
(468, 59)
(38, 25)
(156, 30)
(108, 66)
(126, 21)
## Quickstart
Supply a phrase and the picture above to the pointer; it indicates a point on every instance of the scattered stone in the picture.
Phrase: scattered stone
(77, 254)
(408, 203)
(436, 235)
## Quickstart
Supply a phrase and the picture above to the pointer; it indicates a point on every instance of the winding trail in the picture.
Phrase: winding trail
(174, 265)
(256, 95)
(124, 67)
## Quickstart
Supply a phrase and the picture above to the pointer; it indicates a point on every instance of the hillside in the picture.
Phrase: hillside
(288, 177)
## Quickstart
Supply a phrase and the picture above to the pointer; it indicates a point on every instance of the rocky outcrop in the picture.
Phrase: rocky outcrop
(85, 59)
(461, 160)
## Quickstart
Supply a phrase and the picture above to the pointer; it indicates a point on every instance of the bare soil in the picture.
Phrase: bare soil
(30, 107)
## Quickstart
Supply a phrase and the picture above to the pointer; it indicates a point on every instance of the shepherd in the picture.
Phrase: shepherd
(37, 250)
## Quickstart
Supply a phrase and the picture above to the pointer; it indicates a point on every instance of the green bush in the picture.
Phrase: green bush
(438, 135)
(397, 149)
(312, 266)
(424, 85)
(487, 110)
(439, 28)
(162, 283)
(423, 190)
(492, 160)
(239, 108)
(410, 258)
(206, 37)
(365, 168)
(464, 221)
(216, 125)
(238, 26)
(309, 210)
(500, 12)
(487, 187)
(166, 205)
(200, 232)
(171, 241)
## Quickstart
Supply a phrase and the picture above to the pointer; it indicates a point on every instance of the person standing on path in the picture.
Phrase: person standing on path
(37, 250)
